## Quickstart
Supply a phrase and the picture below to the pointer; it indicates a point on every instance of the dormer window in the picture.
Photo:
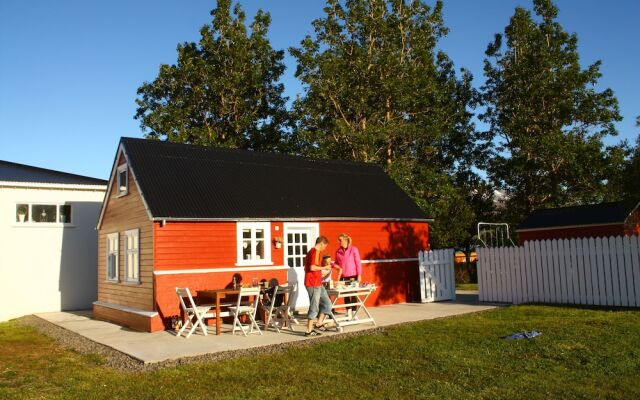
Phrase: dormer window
(123, 180)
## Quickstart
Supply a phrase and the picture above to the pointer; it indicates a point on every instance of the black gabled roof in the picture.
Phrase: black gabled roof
(594, 214)
(180, 181)
(14, 172)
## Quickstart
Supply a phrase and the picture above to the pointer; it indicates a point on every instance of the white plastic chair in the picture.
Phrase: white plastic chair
(195, 314)
(279, 316)
(248, 308)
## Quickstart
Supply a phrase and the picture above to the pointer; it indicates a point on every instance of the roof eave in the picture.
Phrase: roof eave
(293, 219)
(548, 228)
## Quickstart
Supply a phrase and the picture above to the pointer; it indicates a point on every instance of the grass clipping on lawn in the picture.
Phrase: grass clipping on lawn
(582, 353)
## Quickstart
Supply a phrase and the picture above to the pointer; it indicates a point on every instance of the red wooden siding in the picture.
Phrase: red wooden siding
(632, 224)
(210, 245)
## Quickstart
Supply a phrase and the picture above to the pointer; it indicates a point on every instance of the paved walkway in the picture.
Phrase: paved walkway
(162, 346)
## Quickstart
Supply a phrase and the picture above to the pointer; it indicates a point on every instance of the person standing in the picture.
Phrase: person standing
(348, 258)
(319, 302)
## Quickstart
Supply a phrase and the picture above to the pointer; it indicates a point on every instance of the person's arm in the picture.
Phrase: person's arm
(336, 266)
(315, 266)
(358, 261)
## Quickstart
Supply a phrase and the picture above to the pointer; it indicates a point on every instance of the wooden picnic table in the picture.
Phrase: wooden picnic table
(218, 295)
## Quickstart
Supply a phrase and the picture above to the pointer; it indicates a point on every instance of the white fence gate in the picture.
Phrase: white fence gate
(437, 280)
(594, 271)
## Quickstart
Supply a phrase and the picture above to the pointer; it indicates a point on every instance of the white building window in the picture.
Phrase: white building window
(123, 180)
(254, 243)
(27, 213)
(112, 257)
(132, 255)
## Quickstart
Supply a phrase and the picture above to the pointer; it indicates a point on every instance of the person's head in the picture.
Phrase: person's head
(326, 260)
(344, 240)
(322, 242)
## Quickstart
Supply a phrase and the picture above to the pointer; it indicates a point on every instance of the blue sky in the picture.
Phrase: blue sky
(69, 69)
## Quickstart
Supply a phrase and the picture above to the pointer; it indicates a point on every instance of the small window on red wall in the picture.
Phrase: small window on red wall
(254, 240)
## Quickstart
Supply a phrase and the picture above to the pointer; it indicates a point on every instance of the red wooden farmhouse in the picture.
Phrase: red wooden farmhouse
(596, 220)
(191, 216)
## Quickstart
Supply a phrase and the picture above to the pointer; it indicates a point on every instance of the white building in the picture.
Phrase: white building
(48, 241)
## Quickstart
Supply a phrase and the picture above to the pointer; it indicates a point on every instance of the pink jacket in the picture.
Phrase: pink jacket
(349, 260)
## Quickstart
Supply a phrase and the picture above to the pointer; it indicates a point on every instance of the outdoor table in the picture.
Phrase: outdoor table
(360, 293)
(218, 295)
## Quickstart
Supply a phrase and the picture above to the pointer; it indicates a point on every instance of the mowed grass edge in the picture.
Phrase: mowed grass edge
(582, 353)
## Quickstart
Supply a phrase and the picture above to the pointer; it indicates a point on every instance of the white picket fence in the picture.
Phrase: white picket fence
(593, 271)
(437, 281)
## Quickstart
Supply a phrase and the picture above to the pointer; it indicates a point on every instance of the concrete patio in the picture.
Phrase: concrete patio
(162, 346)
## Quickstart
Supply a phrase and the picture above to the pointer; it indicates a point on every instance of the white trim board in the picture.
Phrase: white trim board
(391, 260)
(262, 268)
(60, 186)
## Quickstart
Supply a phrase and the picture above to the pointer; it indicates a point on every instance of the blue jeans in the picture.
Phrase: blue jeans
(318, 301)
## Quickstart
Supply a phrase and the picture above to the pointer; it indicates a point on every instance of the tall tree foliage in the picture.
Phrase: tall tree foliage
(546, 116)
(379, 91)
(223, 91)
(631, 173)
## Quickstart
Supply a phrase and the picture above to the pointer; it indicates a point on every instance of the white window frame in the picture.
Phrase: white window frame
(122, 168)
(128, 276)
(253, 226)
(30, 222)
(113, 238)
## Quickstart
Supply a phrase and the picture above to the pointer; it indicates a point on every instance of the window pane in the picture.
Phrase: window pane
(111, 266)
(304, 249)
(64, 214)
(246, 233)
(304, 238)
(122, 181)
(297, 238)
(22, 213)
(136, 265)
(43, 213)
(260, 250)
(259, 233)
(291, 262)
(289, 237)
(246, 249)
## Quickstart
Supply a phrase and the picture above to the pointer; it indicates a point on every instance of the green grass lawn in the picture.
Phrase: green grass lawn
(466, 286)
(581, 354)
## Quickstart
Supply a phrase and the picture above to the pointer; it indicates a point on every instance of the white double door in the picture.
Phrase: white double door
(299, 238)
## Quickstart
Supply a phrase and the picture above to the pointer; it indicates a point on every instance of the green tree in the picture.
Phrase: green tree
(223, 91)
(379, 91)
(631, 174)
(546, 116)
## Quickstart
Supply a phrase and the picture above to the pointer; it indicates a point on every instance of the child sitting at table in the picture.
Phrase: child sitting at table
(326, 275)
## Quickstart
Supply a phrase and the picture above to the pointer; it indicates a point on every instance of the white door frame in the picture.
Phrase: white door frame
(296, 274)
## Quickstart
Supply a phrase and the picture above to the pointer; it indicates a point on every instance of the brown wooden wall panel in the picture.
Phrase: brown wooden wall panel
(122, 214)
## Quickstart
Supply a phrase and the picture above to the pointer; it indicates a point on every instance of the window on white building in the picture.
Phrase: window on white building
(43, 213)
(123, 180)
(254, 243)
(112, 256)
(132, 255)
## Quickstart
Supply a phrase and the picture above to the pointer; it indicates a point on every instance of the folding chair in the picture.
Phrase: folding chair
(248, 308)
(278, 311)
(195, 314)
